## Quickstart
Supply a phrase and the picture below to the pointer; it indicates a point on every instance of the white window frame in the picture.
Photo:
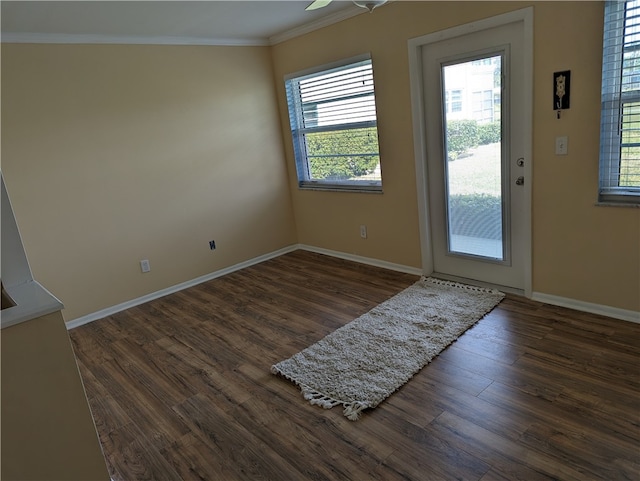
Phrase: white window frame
(617, 93)
(301, 126)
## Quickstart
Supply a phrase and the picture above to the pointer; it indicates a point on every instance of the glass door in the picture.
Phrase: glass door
(472, 125)
(475, 106)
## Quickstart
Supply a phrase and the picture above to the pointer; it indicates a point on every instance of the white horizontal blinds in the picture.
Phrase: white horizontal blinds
(629, 166)
(620, 124)
(342, 96)
(611, 100)
(333, 123)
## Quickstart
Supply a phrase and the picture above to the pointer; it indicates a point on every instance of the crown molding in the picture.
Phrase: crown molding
(57, 38)
(317, 24)
(54, 38)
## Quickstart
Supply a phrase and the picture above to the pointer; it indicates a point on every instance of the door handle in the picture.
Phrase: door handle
(520, 180)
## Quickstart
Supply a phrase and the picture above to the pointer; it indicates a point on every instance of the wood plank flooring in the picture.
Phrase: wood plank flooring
(180, 387)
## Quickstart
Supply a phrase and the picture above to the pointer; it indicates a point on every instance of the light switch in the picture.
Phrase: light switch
(562, 145)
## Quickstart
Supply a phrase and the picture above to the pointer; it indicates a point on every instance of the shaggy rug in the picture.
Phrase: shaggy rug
(365, 361)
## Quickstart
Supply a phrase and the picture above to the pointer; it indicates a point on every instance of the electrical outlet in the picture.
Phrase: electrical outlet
(363, 231)
(212, 245)
(144, 265)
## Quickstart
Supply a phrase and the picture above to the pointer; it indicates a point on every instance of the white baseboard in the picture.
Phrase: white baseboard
(178, 287)
(623, 314)
(363, 260)
(615, 312)
(228, 270)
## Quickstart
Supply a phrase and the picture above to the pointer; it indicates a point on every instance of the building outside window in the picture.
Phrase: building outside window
(472, 91)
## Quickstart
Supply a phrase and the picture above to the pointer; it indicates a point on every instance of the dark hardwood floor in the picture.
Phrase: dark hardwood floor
(180, 387)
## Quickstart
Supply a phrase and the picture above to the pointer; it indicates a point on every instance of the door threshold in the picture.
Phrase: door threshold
(474, 282)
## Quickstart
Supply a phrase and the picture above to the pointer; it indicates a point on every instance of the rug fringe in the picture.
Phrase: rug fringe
(352, 410)
(457, 285)
(317, 399)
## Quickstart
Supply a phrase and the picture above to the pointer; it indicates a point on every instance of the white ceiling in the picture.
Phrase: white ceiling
(236, 22)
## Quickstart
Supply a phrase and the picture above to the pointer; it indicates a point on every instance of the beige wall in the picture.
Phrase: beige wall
(116, 153)
(113, 153)
(580, 251)
(47, 429)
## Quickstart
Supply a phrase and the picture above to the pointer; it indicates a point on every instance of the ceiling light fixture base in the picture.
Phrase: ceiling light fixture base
(369, 4)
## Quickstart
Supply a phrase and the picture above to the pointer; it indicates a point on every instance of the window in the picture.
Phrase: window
(483, 105)
(332, 112)
(482, 61)
(453, 101)
(620, 124)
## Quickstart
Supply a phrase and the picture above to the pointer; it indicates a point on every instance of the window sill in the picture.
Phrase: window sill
(619, 198)
(617, 204)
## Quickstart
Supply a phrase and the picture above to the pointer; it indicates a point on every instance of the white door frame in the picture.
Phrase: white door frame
(524, 15)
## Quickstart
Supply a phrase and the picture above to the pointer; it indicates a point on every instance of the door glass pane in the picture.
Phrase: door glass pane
(473, 145)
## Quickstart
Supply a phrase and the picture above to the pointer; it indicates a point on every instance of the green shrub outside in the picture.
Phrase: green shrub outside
(463, 135)
(342, 168)
(328, 152)
(476, 215)
(489, 133)
(342, 154)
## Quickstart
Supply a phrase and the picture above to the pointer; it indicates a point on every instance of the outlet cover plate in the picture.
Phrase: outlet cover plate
(562, 147)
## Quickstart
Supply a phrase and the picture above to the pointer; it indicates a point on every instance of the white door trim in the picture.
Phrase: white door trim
(524, 15)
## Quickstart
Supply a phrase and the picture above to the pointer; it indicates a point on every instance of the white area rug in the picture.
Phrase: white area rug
(363, 362)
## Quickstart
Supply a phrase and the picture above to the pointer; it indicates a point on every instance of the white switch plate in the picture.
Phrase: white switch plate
(145, 266)
(562, 145)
